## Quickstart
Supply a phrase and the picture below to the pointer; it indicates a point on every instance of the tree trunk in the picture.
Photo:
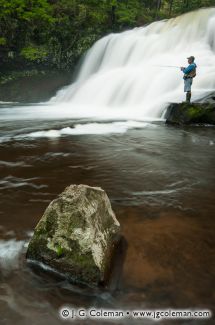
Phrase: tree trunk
(186, 3)
(170, 7)
(158, 7)
(159, 2)
(113, 15)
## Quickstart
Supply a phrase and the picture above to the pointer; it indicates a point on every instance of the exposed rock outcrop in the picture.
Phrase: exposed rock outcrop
(77, 235)
(190, 113)
(209, 98)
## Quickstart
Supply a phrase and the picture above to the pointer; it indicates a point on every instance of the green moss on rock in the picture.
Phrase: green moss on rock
(191, 113)
(77, 234)
(59, 250)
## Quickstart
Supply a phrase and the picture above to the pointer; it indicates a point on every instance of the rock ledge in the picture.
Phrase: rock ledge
(190, 113)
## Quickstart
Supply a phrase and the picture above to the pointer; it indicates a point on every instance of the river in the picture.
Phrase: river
(161, 182)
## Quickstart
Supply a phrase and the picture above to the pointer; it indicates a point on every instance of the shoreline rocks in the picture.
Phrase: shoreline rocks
(190, 113)
(77, 235)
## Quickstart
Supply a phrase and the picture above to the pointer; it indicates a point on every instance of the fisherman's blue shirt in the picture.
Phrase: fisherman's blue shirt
(190, 68)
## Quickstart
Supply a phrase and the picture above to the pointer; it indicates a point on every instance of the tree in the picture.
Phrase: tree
(55, 33)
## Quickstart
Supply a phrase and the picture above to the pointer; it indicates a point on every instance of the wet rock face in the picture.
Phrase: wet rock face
(190, 113)
(210, 98)
(77, 235)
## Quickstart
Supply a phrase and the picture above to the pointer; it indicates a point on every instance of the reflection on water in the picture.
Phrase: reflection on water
(161, 182)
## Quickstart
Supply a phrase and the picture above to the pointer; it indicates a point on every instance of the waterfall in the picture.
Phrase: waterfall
(123, 75)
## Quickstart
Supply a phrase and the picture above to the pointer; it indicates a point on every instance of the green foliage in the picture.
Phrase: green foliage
(126, 14)
(3, 41)
(56, 33)
(33, 53)
(59, 250)
(5, 78)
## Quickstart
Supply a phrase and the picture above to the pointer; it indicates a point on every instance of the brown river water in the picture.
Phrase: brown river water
(161, 183)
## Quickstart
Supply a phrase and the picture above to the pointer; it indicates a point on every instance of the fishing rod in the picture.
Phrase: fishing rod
(167, 66)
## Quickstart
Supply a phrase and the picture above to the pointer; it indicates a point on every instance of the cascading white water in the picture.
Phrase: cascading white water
(122, 76)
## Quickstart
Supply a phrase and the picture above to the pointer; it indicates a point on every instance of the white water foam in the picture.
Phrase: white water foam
(91, 128)
(10, 251)
(12, 164)
(10, 181)
(81, 129)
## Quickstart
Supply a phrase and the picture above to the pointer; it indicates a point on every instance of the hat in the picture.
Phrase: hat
(192, 58)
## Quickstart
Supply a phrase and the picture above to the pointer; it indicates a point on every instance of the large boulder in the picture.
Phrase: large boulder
(77, 235)
(190, 113)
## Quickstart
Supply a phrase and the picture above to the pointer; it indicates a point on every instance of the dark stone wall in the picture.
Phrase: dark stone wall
(33, 86)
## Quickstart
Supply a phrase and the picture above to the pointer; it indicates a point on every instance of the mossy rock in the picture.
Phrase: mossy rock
(190, 113)
(77, 235)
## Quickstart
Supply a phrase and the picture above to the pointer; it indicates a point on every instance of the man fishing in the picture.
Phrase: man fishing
(189, 74)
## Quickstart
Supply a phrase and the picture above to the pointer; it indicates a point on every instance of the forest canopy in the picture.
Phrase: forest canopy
(55, 33)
